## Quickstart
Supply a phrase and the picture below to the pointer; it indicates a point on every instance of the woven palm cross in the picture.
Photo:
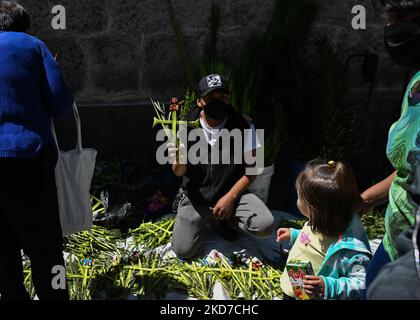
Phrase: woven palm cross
(172, 122)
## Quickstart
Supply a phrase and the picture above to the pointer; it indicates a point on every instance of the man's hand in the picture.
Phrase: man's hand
(176, 156)
(179, 166)
(283, 234)
(172, 152)
(223, 210)
(314, 287)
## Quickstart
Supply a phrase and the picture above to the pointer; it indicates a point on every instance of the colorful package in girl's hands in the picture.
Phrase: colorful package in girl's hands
(297, 270)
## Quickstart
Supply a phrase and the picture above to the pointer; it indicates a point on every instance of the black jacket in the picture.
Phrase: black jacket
(206, 183)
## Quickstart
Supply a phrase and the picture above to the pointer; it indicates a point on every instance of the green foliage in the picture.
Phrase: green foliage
(80, 279)
(269, 67)
(292, 90)
(268, 64)
(374, 222)
(184, 108)
(181, 47)
(275, 134)
(295, 224)
(186, 105)
(194, 280)
(320, 110)
(247, 93)
(152, 235)
(248, 284)
(208, 62)
(98, 242)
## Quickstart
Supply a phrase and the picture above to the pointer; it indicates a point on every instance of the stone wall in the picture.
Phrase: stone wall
(335, 20)
(126, 49)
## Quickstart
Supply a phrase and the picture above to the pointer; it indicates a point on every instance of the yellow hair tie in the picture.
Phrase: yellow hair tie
(331, 163)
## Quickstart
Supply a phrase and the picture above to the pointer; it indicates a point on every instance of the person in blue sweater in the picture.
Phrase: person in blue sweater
(32, 92)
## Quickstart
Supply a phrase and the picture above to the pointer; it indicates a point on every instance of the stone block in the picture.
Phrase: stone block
(40, 14)
(163, 72)
(115, 62)
(146, 16)
(84, 17)
(250, 14)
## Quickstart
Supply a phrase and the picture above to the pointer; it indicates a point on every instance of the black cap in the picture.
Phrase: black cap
(210, 83)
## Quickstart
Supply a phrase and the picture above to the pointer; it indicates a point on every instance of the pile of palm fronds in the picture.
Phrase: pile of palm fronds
(105, 264)
(108, 264)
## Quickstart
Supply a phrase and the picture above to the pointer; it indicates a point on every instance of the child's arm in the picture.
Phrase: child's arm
(287, 234)
(294, 234)
(352, 279)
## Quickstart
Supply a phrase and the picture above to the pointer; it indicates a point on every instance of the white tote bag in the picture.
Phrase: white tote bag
(73, 174)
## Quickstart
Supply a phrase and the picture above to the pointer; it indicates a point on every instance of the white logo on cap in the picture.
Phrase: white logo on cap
(214, 81)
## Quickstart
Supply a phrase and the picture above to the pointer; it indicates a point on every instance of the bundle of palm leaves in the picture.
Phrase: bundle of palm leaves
(152, 235)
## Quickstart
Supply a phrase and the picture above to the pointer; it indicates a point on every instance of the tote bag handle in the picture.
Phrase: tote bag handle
(79, 145)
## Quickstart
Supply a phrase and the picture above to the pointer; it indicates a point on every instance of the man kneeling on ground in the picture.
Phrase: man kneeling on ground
(215, 192)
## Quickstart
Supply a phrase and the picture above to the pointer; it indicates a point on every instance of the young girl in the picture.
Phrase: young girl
(334, 239)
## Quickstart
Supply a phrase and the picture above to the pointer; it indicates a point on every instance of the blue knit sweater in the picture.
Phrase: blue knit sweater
(32, 92)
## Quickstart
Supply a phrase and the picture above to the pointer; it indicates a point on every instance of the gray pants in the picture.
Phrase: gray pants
(251, 215)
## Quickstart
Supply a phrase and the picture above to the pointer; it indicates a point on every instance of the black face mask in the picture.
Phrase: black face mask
(216, 109)
(402, 42)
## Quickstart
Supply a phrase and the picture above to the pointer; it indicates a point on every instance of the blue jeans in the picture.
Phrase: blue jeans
(379, 260)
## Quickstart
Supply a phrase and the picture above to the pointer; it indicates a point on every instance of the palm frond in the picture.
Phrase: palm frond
(181, 46)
